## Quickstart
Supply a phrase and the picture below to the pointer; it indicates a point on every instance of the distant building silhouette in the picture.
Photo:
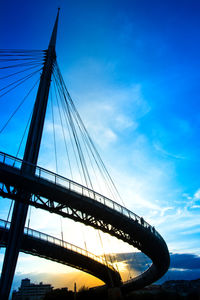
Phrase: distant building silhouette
(31, 291)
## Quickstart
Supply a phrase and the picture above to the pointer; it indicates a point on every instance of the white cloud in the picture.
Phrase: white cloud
(191, 231)
(197, 195)
(109, 111)
(195, 206)
(103, 105)
(164, 210)
(109, 136)
(165, 153)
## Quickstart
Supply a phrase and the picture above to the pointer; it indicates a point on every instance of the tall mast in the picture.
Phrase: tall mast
(31, 156)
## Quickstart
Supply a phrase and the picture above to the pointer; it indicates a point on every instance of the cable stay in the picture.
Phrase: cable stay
(63, 131)
(19, 147)
(22, 71)
(18, 107)
(83, 140)
(87, 154)
(21, 51)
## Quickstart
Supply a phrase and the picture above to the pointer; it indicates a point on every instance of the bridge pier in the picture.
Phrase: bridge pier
(115, 293)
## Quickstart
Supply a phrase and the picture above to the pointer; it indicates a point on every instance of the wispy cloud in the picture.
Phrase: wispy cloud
(165, 153)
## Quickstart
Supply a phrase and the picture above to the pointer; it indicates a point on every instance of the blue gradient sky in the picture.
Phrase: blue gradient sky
(132, 68)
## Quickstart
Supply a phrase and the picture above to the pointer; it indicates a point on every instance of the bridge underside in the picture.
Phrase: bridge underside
(57, 253)
(67, 203)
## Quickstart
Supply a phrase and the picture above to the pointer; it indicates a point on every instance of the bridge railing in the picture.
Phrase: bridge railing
(51, 239)
(78, 188)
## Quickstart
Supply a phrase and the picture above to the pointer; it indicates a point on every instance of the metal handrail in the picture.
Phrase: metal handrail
(51, 239)
(76, 187)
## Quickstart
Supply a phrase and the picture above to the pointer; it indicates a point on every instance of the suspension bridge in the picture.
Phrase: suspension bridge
(28, 184)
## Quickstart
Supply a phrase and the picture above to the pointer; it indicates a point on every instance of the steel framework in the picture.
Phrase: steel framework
(69, 199)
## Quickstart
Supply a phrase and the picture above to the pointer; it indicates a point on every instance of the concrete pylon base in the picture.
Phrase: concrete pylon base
(115, 294)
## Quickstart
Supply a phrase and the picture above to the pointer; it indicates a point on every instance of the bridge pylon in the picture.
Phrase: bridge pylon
(31, 156)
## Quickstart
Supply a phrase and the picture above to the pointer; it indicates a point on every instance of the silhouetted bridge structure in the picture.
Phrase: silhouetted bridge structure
(57, 194)
(28, 184)
(46, 246)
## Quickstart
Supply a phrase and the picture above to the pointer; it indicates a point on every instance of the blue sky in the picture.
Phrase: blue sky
(132, 68)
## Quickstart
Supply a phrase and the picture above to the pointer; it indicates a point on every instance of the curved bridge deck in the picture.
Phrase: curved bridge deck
(60, 195)
(49, 247)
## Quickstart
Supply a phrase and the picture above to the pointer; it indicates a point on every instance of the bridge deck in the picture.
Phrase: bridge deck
(70, 199)
(49, 247)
